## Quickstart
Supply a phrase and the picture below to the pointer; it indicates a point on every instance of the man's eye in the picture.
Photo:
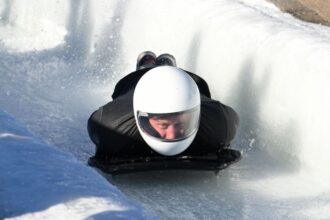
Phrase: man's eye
(163, 126)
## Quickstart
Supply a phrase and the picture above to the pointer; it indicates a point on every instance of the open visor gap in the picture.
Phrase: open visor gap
(169, 127)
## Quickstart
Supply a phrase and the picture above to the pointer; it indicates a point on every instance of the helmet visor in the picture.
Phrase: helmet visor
(170, 126)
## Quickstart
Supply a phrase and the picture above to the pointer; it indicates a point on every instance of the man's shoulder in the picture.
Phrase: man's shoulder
(139, 73)
(135, 74)
(201, 83)
(194, 75)
(128, 82)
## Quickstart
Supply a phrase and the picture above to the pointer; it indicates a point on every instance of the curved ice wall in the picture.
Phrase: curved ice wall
(273, 69)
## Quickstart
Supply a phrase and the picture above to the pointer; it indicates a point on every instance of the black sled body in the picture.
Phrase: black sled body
(212, 162)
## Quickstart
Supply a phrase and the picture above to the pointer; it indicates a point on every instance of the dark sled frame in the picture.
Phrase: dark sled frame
(127, 165)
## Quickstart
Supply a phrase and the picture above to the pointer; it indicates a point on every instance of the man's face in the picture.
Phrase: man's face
(170, 127)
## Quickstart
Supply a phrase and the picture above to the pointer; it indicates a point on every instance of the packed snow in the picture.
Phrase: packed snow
(39, 181)
(60, 61)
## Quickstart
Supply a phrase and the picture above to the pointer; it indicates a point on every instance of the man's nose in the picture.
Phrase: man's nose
(171, 132)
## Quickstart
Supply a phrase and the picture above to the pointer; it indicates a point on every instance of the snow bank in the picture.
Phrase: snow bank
(38, 181)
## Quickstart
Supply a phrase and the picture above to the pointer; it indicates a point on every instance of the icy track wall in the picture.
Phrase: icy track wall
(273, 69)
(39, 181)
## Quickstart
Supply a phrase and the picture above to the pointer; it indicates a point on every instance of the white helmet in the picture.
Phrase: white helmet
(167, 109)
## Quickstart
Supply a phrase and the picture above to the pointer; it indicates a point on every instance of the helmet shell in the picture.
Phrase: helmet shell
(166, 89)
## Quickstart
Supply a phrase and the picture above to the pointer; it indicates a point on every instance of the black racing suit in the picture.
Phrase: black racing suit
(113, 129)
